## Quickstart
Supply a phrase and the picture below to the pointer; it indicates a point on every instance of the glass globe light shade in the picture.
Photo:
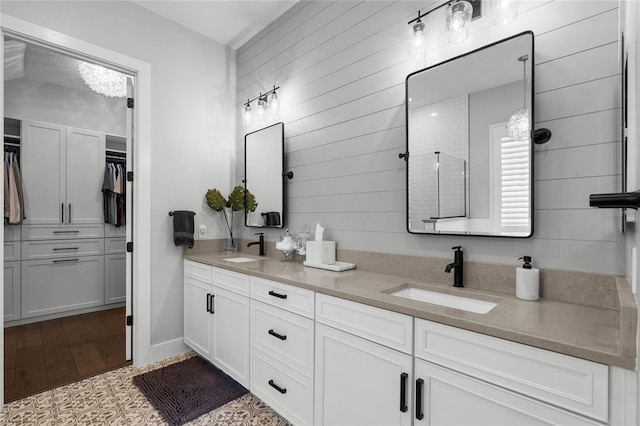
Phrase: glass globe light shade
(504, 11)
(274, 103)
(246, 114)
(458, 17)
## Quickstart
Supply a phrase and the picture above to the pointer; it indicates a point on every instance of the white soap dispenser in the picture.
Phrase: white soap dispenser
(527, 281)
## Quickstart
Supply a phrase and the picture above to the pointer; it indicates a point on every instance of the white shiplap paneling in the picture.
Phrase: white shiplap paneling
(342, 84)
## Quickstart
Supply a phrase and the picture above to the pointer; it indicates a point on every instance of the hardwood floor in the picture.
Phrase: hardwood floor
(47, 354)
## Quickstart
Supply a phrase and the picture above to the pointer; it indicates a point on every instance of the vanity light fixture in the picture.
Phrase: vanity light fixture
(518, 126)
(268, 108)
(459, 15)
(504, 11)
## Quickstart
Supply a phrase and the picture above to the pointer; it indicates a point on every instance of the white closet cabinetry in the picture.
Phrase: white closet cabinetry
(62, 171)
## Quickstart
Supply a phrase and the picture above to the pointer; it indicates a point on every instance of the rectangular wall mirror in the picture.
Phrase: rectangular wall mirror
(263, 168)
(469, 145)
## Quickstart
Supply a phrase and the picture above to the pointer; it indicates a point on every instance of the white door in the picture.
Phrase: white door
(230, 340)
(85, 166)
(358, 382)
(197, 316)
(446, 397)
(43, 172)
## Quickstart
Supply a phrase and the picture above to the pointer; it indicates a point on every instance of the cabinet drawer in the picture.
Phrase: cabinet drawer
(115, 245)
(59, 285)
(232, 281)
(111, 231)
(196, 270)
(294, 299)
(49, 232)
(62, 248)
(12, 232)
(378, 325)
(286, 336)
(287, 391)
(572, 383)
(11, 250)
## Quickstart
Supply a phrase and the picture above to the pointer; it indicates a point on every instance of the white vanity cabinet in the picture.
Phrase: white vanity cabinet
(502, 382)
(364, 371)
(282, 348)
(62, 170)
(216, 317)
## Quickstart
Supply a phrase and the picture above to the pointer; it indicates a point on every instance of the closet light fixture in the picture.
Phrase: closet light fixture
(267, 108)
(504, 11)
(518, 124)
(103, 80)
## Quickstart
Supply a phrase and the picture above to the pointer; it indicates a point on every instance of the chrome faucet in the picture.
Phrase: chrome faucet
(260, 241)
(457, 265)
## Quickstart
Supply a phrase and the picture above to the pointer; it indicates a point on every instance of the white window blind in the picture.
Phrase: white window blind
(515, 189)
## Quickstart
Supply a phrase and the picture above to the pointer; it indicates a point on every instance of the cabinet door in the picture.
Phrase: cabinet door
(43, 164)
(115, 280)
(230, 314)
(446, 397)
(85, 173)
(11, 291)
(197, 318)
(358, 382)
(59, 285)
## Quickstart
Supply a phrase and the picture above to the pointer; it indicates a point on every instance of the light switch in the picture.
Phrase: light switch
(202, 231)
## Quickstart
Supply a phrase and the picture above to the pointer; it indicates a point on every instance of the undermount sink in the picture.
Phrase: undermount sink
(240, 259)
(410, 291)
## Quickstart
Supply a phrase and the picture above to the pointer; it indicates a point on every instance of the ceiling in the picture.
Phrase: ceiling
(229, 22)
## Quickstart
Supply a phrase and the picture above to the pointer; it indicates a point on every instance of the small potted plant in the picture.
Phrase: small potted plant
(238, 200)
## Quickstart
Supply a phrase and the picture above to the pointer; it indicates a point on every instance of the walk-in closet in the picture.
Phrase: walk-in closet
(65, 223)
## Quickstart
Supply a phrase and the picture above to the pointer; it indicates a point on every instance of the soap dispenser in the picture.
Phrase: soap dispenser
(527, 281)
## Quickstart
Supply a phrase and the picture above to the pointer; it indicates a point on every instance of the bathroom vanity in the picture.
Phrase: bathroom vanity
(322, 347)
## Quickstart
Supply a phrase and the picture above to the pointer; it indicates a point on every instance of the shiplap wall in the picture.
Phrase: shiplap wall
(341, 67)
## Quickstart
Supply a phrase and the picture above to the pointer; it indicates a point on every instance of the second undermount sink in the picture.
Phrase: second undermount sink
(240, 259)
(413, 292)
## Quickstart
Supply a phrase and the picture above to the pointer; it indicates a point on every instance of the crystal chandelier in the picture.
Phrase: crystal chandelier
(518, 124)
(104, 81)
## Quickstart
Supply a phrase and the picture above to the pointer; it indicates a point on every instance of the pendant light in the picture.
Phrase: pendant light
(246, 113)
(518, 124)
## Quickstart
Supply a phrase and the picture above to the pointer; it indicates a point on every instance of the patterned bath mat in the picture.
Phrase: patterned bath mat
(186, 390)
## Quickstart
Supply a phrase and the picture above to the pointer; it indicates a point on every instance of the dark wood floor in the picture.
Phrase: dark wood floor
(47, 354)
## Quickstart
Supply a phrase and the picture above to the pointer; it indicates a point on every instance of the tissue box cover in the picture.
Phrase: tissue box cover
(321, 252)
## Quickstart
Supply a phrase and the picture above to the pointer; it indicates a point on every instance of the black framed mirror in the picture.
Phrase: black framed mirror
(469, 143)
(263, 169)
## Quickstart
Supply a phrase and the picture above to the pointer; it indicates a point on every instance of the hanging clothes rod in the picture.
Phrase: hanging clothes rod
(12, 144)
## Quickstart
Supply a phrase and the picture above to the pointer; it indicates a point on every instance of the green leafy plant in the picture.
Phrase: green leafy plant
(238, 200)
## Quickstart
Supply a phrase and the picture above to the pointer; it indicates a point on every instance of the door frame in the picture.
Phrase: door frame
(141, 153)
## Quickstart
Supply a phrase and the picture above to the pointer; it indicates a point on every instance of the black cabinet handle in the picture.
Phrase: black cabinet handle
(62, 213)
(65, 248)
(69, 212)
(403, 392)
(208, 302)
(278, 388)
(279, 336)
(278, 295)
(419, 385)
(213, 300)
(65, 261)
